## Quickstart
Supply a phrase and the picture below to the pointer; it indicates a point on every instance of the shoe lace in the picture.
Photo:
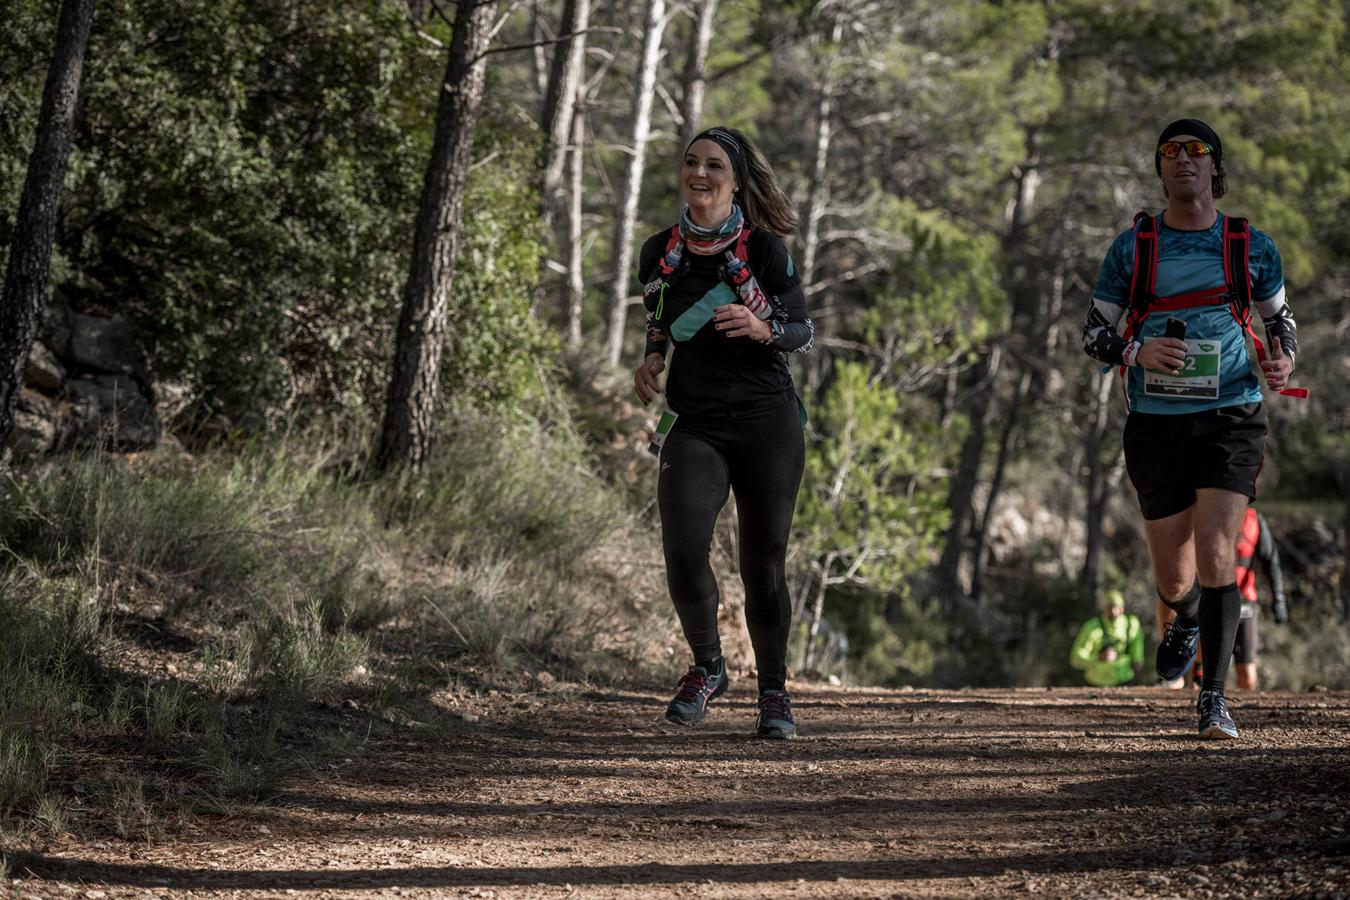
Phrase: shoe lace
(1175, 634)
(775, 705)
(691, 685)
(1212, 703)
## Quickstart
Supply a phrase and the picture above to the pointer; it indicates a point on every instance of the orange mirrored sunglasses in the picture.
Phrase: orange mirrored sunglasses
(1170, 149)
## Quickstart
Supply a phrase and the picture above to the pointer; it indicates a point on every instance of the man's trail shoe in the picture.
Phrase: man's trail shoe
(696, 688)
(1215, 722)
(775, 716)
(1177, 651)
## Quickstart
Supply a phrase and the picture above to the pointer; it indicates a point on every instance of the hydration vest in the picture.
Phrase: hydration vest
(735, 271)
(1236, 292)
(1248, 537)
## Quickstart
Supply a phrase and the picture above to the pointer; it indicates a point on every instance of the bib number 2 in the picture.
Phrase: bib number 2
(1199, 378)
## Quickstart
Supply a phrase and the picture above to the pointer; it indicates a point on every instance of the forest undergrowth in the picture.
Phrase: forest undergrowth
(188, 631)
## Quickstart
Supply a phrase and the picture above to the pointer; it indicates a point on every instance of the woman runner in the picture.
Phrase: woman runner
(721, 287)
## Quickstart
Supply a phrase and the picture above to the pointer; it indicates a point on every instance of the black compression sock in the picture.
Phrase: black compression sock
(1220, 610)
(1187, 607)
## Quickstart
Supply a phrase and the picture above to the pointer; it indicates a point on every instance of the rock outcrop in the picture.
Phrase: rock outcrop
(86, 386)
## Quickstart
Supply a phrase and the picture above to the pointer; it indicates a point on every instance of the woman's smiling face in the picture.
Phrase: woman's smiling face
(708, 181)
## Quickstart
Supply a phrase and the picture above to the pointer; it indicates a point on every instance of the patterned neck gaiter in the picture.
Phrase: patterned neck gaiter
(707, 241)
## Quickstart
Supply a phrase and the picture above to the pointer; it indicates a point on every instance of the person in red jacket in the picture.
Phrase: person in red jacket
(1254, 543)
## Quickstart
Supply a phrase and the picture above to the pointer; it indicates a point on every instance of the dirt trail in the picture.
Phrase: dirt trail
(887, 793)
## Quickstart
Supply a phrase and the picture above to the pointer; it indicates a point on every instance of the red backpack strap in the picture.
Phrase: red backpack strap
(743, 244)
(1237, 275)
(675, 239)
(1143, 284)
(1144, 280)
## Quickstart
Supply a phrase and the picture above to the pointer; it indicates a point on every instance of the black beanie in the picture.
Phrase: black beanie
(1189, 126)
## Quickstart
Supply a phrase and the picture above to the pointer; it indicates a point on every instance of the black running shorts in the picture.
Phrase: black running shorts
(1248, 641)
(1169, 456)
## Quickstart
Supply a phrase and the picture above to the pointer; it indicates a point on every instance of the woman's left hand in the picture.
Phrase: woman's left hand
(737, 321)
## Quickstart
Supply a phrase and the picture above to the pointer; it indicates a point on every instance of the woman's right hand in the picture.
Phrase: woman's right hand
(644, 378)
(1163, 354)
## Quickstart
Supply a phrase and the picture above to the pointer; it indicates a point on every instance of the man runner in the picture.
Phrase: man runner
(1195, 434)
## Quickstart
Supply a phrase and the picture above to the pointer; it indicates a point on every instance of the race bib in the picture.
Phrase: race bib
(1199, 378)
(662, 431)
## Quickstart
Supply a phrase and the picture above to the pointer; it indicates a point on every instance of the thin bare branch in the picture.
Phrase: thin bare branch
(669, 102)
(598, 29)
(843, 278)
(501, 23)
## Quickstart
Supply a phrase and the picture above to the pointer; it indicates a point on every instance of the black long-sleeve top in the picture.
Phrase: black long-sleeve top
(710, 373)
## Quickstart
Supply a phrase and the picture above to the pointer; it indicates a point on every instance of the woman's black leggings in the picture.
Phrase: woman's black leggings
(760, 458)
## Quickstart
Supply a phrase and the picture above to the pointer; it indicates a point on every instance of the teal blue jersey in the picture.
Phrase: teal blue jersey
(1190, 261)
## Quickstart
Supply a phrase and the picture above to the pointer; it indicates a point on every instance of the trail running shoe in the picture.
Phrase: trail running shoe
(697, 687)
(1177, 651)
(775, 716)
(1215, 722)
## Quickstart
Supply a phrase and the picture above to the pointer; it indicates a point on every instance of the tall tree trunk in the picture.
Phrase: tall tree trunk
(1023, 299)
(816, 199)
(540, 54)
(961, 492)
(695, 81)
(564, 83)
(30, 257)
(652, 27)
(572, 249)
(1005, 444)
(819, 191)
(1345, 524)
(1068, 500)
(406, 434)
(1098, 486)
(947, 404)
(562, 95)
(817, 613)
(418, 10)
(1031, 375)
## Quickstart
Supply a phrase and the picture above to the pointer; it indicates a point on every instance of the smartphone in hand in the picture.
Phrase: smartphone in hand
(1176, 328)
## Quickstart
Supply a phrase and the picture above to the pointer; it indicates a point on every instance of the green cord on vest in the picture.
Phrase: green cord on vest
(661, 301)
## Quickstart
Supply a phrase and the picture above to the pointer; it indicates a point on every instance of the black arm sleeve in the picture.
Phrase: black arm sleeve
(778, 276)
(1100, 340)
(1280, 326)
(648, 257)
(1269, 555)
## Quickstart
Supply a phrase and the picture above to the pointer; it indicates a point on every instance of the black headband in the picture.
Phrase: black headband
(1189, 126)
(728, 142)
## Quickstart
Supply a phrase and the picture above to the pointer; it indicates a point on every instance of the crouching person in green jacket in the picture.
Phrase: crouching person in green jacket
(1109, 649)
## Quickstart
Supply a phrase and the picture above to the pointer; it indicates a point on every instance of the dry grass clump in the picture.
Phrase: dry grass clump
(198, 611)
